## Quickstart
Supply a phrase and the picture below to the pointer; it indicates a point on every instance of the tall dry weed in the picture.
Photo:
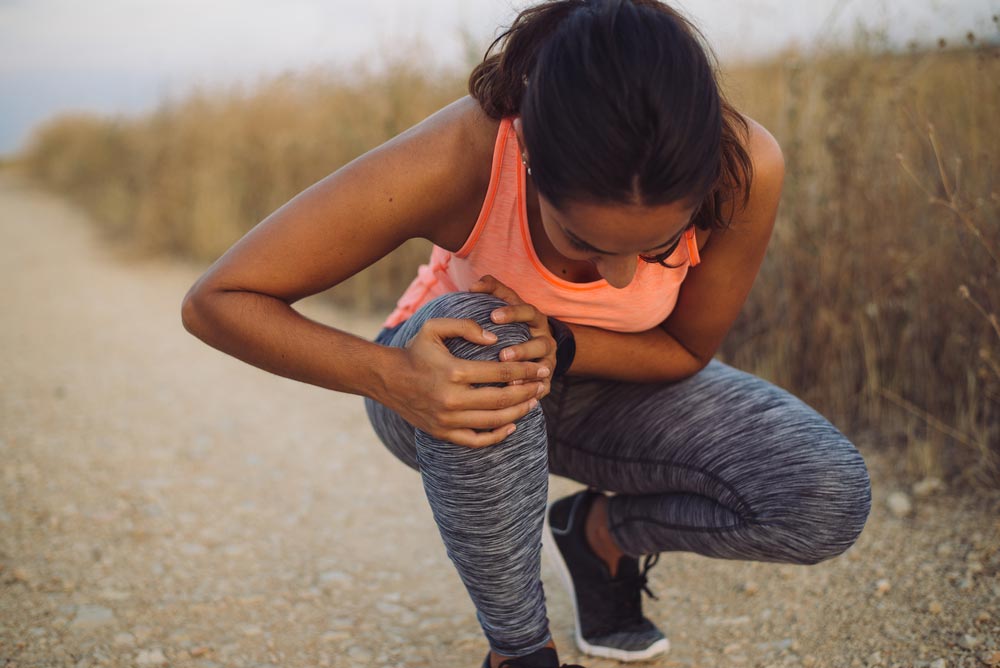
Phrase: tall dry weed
(857, 307)
(197, 173)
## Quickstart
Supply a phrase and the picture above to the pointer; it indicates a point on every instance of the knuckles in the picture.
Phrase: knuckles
(449, 402)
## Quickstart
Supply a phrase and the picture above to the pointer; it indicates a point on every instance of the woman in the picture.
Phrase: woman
(593, 171)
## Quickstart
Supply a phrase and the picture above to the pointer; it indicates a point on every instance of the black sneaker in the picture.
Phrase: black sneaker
(608, 611)
(545, 657)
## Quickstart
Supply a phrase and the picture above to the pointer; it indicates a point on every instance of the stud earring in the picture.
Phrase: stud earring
(525, 163)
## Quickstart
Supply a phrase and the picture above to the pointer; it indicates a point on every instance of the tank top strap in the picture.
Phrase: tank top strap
(691, 238)
(503, 183)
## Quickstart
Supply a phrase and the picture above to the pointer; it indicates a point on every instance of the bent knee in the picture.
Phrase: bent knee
(823, 513)
(838, 514)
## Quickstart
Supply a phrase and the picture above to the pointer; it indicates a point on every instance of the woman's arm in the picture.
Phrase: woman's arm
(408, 187)
(711, 295)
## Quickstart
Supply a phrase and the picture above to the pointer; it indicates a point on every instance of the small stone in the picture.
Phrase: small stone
(334, 577)
(20, 575)
(123, 640)
(874, 659)
(114, 595)
(882, 587)
(990, 659)
(341, 623)
(359, 654)
(731, 648)
(250, 630)
(151, 657)
(899, 504)
(193, 549)
(982, 617)
(968, 642)
(944, 549)
(938, 663)
(92, 615)
(388, 608)
(750, 588)
(926, 487)
(935, 608)
(809, 661)
(199, 651)
(179, 637)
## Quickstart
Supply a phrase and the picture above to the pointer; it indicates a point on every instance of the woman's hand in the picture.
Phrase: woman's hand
(541, 346)
(434, 391)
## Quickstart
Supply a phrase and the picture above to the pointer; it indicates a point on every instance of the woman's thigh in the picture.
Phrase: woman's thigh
(722, 449)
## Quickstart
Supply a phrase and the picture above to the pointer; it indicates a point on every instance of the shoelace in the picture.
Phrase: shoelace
(627, 600)
(647, 562)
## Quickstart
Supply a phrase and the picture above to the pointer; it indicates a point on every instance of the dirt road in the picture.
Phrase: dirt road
(164, 504)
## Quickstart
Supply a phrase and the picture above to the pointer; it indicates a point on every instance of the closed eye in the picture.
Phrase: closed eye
(660, 257)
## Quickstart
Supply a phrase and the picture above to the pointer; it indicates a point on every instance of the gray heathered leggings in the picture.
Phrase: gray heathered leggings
(723, 464)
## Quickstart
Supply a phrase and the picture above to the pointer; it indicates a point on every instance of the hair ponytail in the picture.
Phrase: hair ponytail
(619, 102)
(498, 82)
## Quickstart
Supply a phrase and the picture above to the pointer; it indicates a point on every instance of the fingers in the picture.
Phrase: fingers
(497, 398)
(515, 313)
(450, 328)
(533, 349)
(471, 372)
(494, 287)
(486, 427)
(488, 420)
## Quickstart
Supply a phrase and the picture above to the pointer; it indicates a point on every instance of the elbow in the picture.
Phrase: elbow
(695, 364)
(191, 311)
(701, 362)
(697, 359)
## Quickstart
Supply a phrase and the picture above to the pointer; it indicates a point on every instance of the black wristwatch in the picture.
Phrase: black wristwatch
(565, 346)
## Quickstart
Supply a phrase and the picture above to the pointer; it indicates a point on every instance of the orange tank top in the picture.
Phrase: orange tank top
(500, 245)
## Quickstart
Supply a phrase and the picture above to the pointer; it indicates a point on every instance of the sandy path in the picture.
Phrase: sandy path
(164, 504)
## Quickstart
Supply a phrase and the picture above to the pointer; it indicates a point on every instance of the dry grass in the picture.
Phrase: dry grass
(891, 205)
(878, 298)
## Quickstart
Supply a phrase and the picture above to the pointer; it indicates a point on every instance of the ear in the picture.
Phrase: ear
(520, 137)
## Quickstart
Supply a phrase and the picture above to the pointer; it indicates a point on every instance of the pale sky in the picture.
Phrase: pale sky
(122, 56)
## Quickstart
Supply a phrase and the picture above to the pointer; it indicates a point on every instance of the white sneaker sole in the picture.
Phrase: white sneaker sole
(552, 550)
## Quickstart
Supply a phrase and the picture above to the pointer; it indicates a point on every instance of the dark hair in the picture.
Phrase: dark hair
(619, 102)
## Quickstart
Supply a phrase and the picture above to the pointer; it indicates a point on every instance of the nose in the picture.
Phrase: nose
(617, 271)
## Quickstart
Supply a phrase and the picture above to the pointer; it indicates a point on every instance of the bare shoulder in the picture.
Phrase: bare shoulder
(466, 137)
(460, 134)
(768, 165)
(767, 159)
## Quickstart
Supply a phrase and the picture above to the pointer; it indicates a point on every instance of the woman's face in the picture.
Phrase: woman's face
(611, 237)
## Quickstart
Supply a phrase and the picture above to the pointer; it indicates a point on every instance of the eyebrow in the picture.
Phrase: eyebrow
(604, 252)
